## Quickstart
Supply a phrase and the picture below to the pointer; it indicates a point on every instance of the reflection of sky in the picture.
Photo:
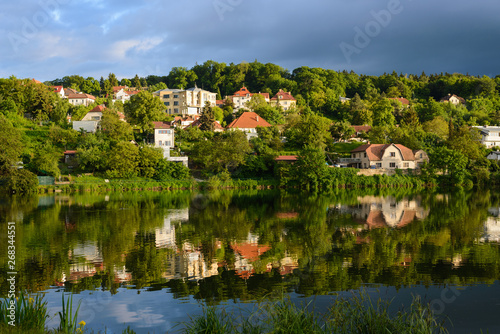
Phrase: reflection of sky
(469, 308)
(144, 311)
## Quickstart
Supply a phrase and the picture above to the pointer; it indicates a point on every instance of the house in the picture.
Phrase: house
(95, 114)
(490, 135)
(183, 121)
(241, 97)
(196, 124)
(360, 129)
(286, 158)
(248, 123)
(453, 99)
(163, 137)
(402, 100)
(387, 156)
(494, 155)
(344, 99)
(80, 99)
(284, 100)
(186, 102)
(59, 90)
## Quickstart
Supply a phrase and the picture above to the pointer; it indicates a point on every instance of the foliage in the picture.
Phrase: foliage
(123, 161)
(68, 319)
(19, 181)
(149, 158)
(30, 313)
(144, 108)
(307, 130)
(11, 146)
(167, 170)
(115, 129)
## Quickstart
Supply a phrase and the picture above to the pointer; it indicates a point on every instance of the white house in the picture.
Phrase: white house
(241, 97)
(490, 135)
(81, 99)
(387, 156)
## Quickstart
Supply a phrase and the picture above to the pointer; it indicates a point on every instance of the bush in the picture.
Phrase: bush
(20, 181)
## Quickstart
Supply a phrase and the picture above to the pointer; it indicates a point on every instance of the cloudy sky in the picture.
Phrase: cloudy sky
(48, 39)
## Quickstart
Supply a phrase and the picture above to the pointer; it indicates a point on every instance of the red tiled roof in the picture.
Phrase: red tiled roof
(161, 125)
(248, 120)
(99, 108)
(375, 152)
(117, 88)
(58, 89)
(287, 215)
(36, 81)
(281, 95)
(400, 99)
(69, 152)
(244, 91)
(286, 158)
(120, 115)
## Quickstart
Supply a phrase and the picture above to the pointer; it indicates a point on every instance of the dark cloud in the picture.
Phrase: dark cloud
(96, 37)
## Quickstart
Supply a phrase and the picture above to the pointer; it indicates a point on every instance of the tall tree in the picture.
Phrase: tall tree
(144, 108)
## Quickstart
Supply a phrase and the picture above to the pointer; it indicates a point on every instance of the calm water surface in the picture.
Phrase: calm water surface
(150, 260)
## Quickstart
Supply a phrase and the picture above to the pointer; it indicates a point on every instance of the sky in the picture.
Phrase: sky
(49, 39)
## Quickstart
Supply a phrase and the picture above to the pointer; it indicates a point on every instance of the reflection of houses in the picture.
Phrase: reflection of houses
(376, 212)
(86, 261)
(491, 232)
(246, 253)
(165, 236)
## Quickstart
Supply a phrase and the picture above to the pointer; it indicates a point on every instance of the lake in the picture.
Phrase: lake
(151, 260)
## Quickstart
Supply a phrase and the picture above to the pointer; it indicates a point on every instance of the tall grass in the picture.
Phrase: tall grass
(68, 319)
(30, 313)
(359, 314)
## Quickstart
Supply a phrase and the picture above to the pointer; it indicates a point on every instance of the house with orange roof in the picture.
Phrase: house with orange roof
(248, 123)
(284, 100)
(242, 96)
(401, 100)
(216, 125)
(387, 156)
(184, 120)
(80, 99)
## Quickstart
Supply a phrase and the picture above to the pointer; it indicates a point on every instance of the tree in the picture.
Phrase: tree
(115, 129)
(136, 82)
(382, 113)
(341, 130)
(272, 115)
(125, 82)
(149, 157)
(166, 170)
(123, 160)
(45, 161)
(310, 169)
(207, 118)
(11, 146)
(180, 77)
(307, 130)
(143, 109)
(112, 79)
(451, 163)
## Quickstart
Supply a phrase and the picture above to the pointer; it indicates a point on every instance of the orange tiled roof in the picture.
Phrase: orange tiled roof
(117, 88)
(58, 89)
(248, 120)
(99, 108)
(286, 158)
(244, 91)
(375, 152)
(250, 251)
(80, 96)
(359, 128)
(400, 99)
(161, 125)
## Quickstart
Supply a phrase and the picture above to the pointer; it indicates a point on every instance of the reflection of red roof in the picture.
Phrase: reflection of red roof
(161, 125)
(408, 217)
(281, 95)
(287, 215)
(249, 251)
(248, 120)
(403, 101)
(375, 219)
(286, 158)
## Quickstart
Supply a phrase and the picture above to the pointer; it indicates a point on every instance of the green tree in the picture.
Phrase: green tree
(383, 113)
(166, 170)
(123, 160)
(45, 161)
(451, 163)
(115, 129)
(143, 109)
(136, 82)
(307, 130)
(341, 130)
(207, 118)
(149, 157)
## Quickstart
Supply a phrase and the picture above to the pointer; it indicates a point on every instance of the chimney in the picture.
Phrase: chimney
(257, 118)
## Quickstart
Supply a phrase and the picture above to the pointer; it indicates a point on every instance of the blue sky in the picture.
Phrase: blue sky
(48, 39)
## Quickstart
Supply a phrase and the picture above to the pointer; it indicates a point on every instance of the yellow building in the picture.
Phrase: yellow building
(185, 101)
(284, 100)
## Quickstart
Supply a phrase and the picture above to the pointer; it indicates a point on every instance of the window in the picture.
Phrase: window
(96, 118)
(406, 164)
(176, 103)
(176, 96)
(166, 103)
(176, 110)
(167, 143)
(379, 165)
(365, 155)
(393, 154)
(166, 96)
(167, 131)
(159, 143)
(392, 165)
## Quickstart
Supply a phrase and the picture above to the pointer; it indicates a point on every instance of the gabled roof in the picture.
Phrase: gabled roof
(161, 125)
(359, 128)
(244, 91)
(449, 96)
(403, 101)
(281, 95)
(58, 89)
(375, 152)
(99, 108)
(80, 96)
(248, 120)
(36, 81)
(197, 124)
(118, 88)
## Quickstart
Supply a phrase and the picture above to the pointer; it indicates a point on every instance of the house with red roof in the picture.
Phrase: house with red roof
(242, 96)
(401, 100)
(248, 123)
(387, 156)
(216, 125)
(59, 90)
(284, 100)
